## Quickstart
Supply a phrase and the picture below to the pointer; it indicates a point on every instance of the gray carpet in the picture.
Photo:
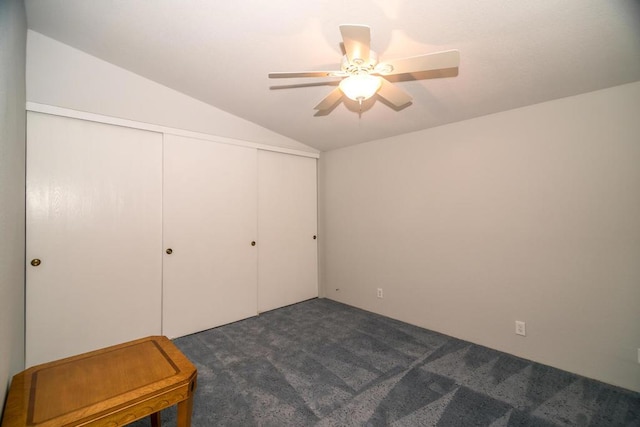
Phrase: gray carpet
(322, 363)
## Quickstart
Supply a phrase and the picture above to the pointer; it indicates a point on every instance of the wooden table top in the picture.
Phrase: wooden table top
(93, 385)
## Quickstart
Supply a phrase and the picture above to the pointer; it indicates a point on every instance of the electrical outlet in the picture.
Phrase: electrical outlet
(379, 292)
(520, 328)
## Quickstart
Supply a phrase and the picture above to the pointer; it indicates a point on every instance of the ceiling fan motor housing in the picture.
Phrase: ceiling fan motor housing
(359, 65)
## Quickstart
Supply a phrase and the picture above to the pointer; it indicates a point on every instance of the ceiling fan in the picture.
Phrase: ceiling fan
(362, 74)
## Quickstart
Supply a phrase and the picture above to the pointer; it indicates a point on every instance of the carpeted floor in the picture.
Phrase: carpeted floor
(323, 363)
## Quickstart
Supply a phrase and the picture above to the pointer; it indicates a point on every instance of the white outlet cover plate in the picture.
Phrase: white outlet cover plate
(520, 328)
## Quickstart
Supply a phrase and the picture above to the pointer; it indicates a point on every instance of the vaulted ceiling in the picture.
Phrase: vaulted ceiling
(513, 54)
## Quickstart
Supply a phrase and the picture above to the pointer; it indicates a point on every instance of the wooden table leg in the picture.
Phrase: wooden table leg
(155, 419)
(184, 412)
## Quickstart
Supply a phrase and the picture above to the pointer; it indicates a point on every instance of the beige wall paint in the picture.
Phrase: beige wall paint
(531, 214)
(13, 33)
(62, 76)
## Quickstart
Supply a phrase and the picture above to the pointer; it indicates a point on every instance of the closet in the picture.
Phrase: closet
(132, 233)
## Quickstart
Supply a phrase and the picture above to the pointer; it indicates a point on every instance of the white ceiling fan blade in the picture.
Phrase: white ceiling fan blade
(427, 62)
(289, 74)
(393, 94)
(357, 42)
(330, 100)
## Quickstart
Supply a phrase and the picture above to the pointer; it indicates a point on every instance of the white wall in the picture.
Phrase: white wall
(531, 214)
(13, 32)
(62, 76)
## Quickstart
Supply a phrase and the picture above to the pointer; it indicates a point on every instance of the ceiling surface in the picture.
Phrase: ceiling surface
(512, 54)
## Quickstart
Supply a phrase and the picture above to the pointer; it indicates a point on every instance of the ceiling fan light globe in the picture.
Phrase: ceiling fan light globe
(360, 87)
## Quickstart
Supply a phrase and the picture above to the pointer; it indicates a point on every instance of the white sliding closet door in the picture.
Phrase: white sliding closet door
(210, 277)
(287, 226)
(94, 200)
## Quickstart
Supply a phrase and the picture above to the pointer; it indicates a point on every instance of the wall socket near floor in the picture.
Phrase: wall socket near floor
(520, 328)
(379, 292)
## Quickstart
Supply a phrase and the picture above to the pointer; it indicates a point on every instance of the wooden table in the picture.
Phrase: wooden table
(109, 387)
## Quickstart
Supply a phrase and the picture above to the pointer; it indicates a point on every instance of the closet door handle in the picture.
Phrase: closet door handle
(253, 243)
(169, 251)
(36, 262)
(315, 237)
